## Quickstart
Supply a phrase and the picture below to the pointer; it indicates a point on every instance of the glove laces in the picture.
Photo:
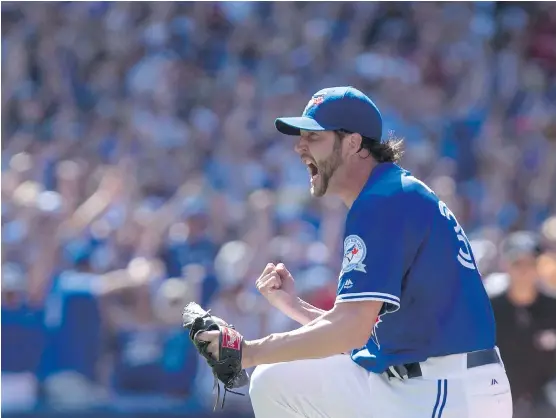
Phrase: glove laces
(216, 388)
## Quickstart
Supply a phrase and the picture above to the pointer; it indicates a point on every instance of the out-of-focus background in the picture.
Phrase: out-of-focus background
(141, 170)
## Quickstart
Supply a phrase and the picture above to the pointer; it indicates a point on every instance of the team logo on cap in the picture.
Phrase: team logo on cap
(315, 100)
(355, 251)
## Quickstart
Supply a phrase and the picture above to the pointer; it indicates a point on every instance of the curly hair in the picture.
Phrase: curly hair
(389, 151)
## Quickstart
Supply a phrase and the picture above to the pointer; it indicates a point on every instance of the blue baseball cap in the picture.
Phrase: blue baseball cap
(336, 108)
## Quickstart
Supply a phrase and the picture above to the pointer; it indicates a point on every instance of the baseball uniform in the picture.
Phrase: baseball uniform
(432, 351)
(404, 247)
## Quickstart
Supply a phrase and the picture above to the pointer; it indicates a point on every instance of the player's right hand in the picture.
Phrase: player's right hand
(276, 285)
(288, 284)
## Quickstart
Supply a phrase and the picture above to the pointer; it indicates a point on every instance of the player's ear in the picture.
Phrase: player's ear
(354, 141)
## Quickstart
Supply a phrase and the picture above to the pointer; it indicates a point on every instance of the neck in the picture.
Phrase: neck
(356, 178)
(522, 294)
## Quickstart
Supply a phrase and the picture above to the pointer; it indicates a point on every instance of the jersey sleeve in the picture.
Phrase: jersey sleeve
(374, 262)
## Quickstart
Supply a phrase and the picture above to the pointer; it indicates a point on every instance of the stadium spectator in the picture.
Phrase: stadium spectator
(526, 330)
(144, 131)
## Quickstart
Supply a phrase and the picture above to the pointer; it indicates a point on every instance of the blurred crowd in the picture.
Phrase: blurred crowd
(141, 170)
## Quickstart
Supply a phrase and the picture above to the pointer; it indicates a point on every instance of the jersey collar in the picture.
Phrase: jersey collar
(378, 172)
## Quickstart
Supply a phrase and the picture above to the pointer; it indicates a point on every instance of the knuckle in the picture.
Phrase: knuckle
(266, 283)
(269, 283)
(267, 269)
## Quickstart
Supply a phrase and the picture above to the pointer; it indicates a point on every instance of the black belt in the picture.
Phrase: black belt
(474, 359)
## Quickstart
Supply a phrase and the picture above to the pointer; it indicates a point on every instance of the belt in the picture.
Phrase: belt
(474, 359)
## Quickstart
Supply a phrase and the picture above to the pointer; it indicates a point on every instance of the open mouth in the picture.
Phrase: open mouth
(313, 169)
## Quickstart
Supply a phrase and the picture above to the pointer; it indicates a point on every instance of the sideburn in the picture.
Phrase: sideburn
(329, 166)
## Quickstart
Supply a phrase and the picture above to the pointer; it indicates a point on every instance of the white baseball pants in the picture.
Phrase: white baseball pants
(335, 387)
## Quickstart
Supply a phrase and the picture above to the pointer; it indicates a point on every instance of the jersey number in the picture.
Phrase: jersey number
(464, 254)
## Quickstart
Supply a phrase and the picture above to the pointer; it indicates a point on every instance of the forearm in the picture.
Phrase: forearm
(301, 311)
(332, 333)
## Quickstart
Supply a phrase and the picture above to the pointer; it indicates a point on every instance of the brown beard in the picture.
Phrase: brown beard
(327, 168)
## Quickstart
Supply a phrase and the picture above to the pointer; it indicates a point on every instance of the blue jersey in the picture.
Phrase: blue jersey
(404, 247)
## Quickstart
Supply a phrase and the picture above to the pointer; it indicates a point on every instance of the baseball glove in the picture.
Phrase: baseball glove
(227, 369)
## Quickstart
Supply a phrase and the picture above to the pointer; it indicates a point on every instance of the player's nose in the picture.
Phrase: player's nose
(301, 146)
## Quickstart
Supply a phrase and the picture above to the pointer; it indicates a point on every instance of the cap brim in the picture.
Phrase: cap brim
(294, 125)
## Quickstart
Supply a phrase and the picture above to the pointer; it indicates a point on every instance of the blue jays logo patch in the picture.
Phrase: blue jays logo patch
(355, 252)
(315, 100)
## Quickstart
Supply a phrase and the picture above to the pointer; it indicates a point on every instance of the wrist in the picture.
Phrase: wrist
(247, 355)
(291, 306)
(289, 303)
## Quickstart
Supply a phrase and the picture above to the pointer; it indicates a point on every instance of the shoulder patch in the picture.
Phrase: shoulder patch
(355, 252)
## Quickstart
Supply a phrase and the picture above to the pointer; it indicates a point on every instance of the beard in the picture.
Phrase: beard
(326, 170)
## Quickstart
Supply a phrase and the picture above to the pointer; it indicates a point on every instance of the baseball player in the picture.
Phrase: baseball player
(411, 311)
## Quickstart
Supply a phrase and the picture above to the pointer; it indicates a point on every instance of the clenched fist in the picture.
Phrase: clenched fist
(276, 284)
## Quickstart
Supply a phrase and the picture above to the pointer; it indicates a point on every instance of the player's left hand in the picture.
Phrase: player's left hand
(213, 338)
(219, 343)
